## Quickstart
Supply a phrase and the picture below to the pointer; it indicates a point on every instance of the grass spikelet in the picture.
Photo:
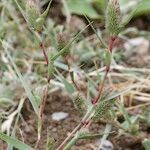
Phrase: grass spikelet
(62, 39)
(79, 102)
(113, 17)
(102, 108)
(32, 13)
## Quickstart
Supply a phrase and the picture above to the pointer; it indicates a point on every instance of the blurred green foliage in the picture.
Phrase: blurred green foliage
(96, 8)
(82, 7)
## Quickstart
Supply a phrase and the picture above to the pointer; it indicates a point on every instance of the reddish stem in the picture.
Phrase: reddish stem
(95, 100)
(44, 52)
(111, 43)
(46, 58)
(87, 122)
(110, 47)
(88, 125)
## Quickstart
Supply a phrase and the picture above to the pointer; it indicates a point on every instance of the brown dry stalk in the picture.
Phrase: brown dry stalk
(44, 98)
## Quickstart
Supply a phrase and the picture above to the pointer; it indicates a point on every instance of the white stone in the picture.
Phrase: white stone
(59, 116)
(138, 45)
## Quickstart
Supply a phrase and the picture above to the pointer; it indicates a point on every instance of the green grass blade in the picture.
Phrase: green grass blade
(20, 9)
(125, 113)
(128, 18)
(47, 10)
(16, 143)
(143, 8)
(26, 87)
(98, 36)
(68, 86)
(116, 94)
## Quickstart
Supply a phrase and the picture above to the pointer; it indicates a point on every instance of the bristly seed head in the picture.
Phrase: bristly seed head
(32, 12)
(62, 39)
(102, 108)
(113, 18)
(79, 102)
(33, 15)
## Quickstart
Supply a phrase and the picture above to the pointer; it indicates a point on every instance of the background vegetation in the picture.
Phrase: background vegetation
(74, 74)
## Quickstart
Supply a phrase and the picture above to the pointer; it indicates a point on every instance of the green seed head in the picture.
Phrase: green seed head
(113, 18)
(79, 102)
(62, 39)
(102, 108)
(34, 18)
(32, 13)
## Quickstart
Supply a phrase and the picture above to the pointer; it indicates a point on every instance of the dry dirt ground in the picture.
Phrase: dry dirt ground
(59, 129)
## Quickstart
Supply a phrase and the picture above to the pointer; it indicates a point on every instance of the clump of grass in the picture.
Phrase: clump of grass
(99, 105)
(93, 109)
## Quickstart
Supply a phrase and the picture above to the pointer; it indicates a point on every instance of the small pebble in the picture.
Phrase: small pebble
(59, 116)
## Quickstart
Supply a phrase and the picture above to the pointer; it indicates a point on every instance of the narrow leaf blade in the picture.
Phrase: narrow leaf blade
(16, 143)
(26, 87)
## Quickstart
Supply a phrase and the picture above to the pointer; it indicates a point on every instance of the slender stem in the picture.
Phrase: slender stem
(71, 76)
(45, 92)
(70, 135)
(86, 122)
(83, 122)
(44, 98)
(110, 47)
(95, 100)
(72, 142)
(40, 115)
(111, 43)
(44, 52)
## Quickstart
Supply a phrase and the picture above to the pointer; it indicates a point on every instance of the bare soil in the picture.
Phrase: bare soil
(60, 129)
